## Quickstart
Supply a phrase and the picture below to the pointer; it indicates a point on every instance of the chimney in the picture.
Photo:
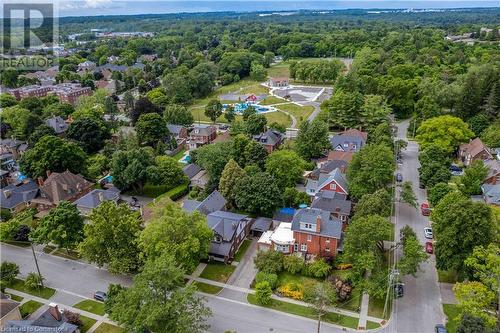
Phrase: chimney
(318, 223)
(54, 311)
(7, 193)
(100, 195)
(48, 173)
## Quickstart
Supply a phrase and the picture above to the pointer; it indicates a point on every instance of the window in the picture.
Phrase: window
(328, 240)
(327, 249)
(343, 217)
(303, 247)
(309, 238)
(333, 186)
(353, 146)
(295, 247)
(218, 238)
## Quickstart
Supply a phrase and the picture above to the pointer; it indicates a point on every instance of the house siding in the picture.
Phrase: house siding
(328, 187)
(318, 245)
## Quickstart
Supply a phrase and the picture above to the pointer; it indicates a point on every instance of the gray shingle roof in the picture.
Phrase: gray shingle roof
(58, 124)
(224, 223)
(328, 167)
(491, 193)
(175, 129)
(214, 202)
(15, 194)
(330, 227)
(331, 201)
(262, 224)
(350, 140)
(269, 137)
(93, 198)
(325, 178)
(191, 170)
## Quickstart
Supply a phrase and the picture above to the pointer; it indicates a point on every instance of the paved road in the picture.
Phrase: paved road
(420, 308)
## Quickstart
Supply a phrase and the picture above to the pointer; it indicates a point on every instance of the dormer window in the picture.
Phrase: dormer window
(353, 146)
(307, 226)
(218, 239)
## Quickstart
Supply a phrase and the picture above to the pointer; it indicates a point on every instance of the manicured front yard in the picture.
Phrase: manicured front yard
(91, 306)
(207, 288)
(15, 297)
(451, 311)
(242, 250)
(29, 307)
(216, 271)
(376, 307)
(42, 292)
(87, 323)
(108, 328)
(305, 311)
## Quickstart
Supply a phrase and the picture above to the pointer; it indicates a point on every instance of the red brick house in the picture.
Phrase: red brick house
(334, 181)
(316, 232)
(202, 135)
(271, 140)
(475, 150)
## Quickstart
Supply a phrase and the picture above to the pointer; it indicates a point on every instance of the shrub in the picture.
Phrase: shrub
(178, 192)
(270, 278)
(73, 318)
(318, 268)
(8, 272)
(344, 266)
(269, 261)
(293, 264)
(293, 290)
(33, 281)
(263, 292)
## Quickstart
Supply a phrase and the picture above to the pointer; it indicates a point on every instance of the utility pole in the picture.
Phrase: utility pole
(36, 263)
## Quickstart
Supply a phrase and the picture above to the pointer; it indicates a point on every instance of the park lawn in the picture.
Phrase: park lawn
(87, 323)
(272, 100)
(42, 292)
(242, 250)
(307, 312)
(300, 112)
(108, 328)
(447, 276)
(217, 271)
(281, 69)
(452, 312)
(91, 306)
(278, 117)
(29, 307)
(207, 288)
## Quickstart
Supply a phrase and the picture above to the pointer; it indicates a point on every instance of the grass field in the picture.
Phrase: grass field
(87, 323)
(242, 250)
(42, 292)
(301, 113)
(29, 307)
(451, 311)
(447, 276)
(91, 306)
(308, 312)
(216, 271)
(376, 307)
(272, 100)
(278, 117)
(108, 328)
(207, 288)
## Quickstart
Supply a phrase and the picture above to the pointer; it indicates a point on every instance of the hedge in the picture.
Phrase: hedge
(178, 191)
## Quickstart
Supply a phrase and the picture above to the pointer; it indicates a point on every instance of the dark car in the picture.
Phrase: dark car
(439, 328)
(100, 296)
(399, 177)
(399, 290)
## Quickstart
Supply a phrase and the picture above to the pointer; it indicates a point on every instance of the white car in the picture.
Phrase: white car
(428, 233)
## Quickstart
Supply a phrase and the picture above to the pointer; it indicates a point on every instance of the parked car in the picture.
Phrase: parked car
(399, 177)
(425, 209)
(456, 170)
(223, 127)
(100, 296)
(428, 233)
(440, 328)
(399, 290)
(429, 248)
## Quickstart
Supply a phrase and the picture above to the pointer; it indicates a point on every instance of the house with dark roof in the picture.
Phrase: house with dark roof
(91, 200)
(351, 140)
(9, 310)
(334, 181)
(328, 167)
(491, 194)
(178, 132)
(335, 203)
(270, 139)
(214, 202)
(64, 186)
(230, 229)
(473, 151)
(198, 177)
(13, 146)
(201, 135)
(52, 320)
(493, 176)
(18, 196)
(316, 232)
(57, 124)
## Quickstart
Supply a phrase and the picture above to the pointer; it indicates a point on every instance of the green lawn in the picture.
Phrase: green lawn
(272, 100)
(281, 69)
(87, 323)
(370, 325)
(42, 293)
(286, 277)
(217, 272)
(207, 288)
(108, 328)
(447, 276)
(29, 307)
(376, 307)
(91, 306)
(451, 311)
(301, 113)
(305, 311)
(15, 297)
(242, 250)
(179, 155)
(278, 117)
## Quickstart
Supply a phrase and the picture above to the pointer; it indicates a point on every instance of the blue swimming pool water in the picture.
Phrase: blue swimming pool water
(185, 159)
(240, 107)
(108, 178)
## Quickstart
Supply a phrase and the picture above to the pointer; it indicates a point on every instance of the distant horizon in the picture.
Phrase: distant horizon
(96, 8)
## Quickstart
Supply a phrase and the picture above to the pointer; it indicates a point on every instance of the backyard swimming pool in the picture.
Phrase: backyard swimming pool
(185, 159)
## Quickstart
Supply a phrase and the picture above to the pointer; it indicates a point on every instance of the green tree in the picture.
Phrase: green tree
(98, 165)
(473, 177)
(377, 203)
(459, 225)
(151, 128)
(255, 124)
(167, 172)
(33, 281)
(230, 114)
(312, 140)
(319, 268)
(129, 101)
(286, 166)
(255, 154)
(63, 226)
(88, 134)
(258, 193)
(374, 111)
(321, 298)
(250, 110)
(21, 121)
(413, 256)
(491, 135)
(58, 109)
(408, 196)
(470, 324)
(130, 169)
(8, 273)
(371, 169)
(437, 192)
(478, 123)
(159, 301)
(178, 114)
(39, 133)
(344, 108)
(258, 72)
(263, 292)
(484, 265)
(270, 262)
(111, 238)
(54, 154)
(293, 264)
(447, 132)
(270, 278)
(213, 158)
(213, 109)
(7, 100)
(476, 300)
(230, 176)
(185, 236)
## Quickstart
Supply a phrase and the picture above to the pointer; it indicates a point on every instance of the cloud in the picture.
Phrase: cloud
(97, 3)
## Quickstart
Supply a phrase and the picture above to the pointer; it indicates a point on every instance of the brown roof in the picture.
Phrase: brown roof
(6, 306)
(474, 147)
(355, 132)
(63, 186)
(340, 155)
(222, 137)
